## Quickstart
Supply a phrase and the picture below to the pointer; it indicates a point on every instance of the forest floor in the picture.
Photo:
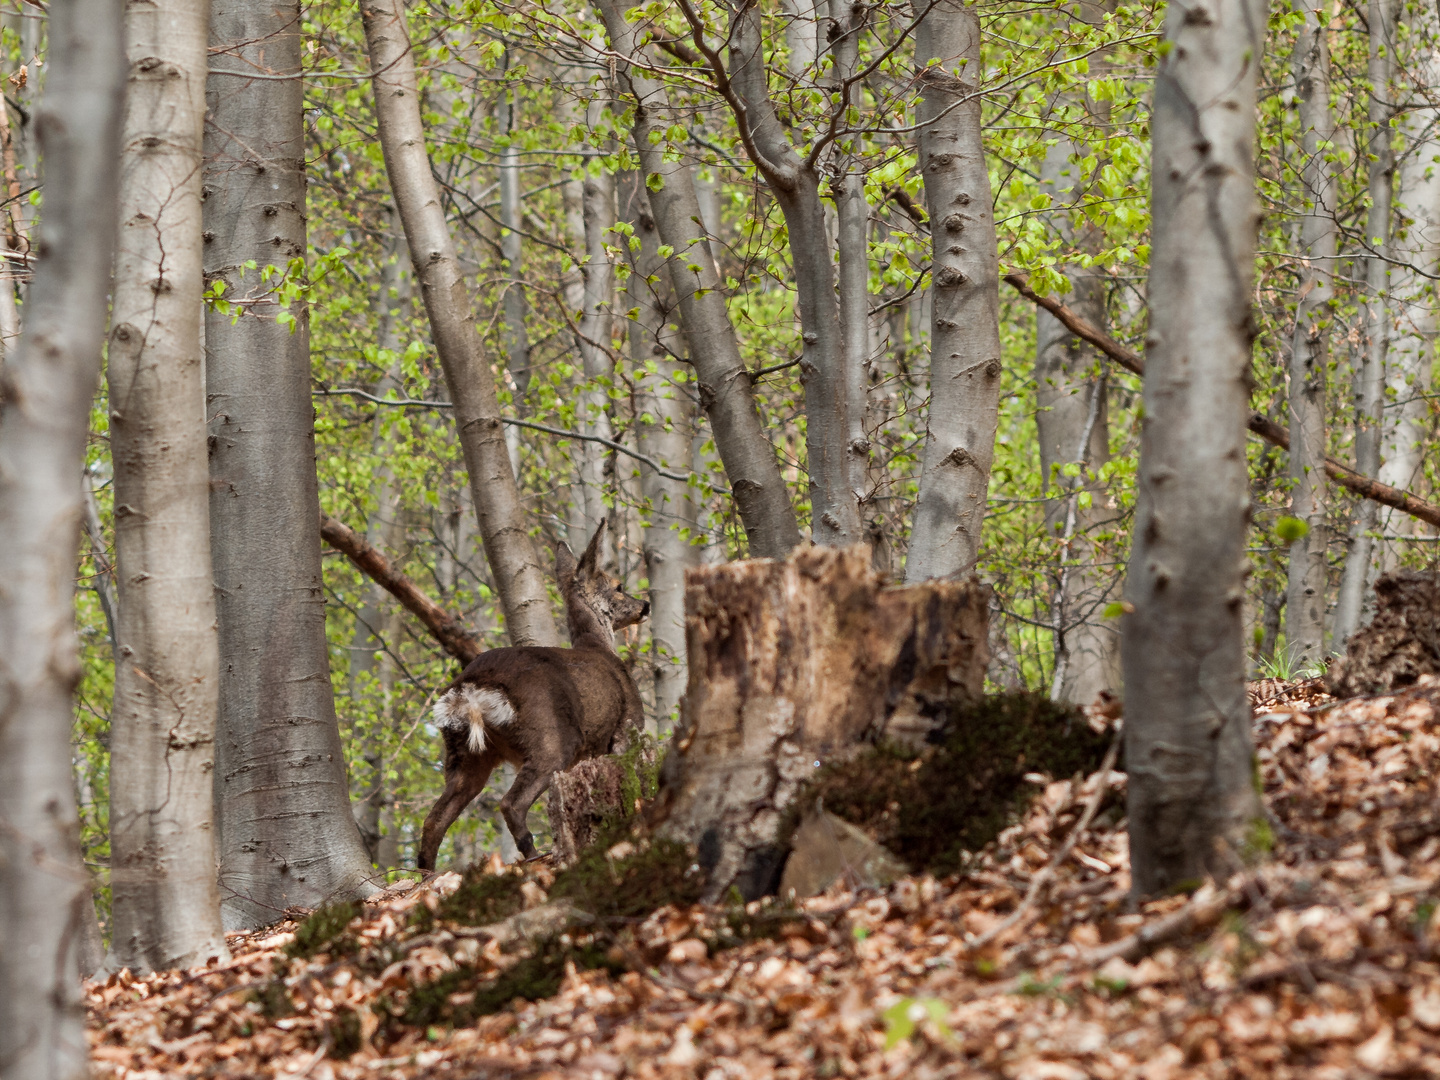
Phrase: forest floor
(1319, 960)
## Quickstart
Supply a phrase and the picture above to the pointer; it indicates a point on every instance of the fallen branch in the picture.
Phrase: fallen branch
(1364, 486)
(444, 627)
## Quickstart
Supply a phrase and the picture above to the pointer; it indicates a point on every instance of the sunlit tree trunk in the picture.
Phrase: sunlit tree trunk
(1310, 343)
(286, 834)
(1416, 249)
(166, 900)
(1072, 423)
(723, 382)
(595, 356)
(663, 424)
(1187, 719)
(965, 313)
(1370, 386)
(50, 383)
(513, 304)
(520, 578)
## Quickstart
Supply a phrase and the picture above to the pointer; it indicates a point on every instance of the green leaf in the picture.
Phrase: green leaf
(655, 182)
(1291, 529)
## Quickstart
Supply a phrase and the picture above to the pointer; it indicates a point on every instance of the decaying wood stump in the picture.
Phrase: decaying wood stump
(1401, 643)
(792, 663)
(595, 791)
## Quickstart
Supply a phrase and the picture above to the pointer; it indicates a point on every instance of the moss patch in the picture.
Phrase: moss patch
(956, 796)
(652, 873)
(323, 930)
(482, 899)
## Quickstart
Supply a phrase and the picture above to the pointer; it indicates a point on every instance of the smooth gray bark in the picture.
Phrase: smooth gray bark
(802, 38)
(724, 384)
(285, 831)
(166, 899)
(1071, 419)
(965, 313)
(513, 305)
(1310, 342)
(1187, 719)
(1370, 385)
(520, 577)
(595, 328)
(794, 181)
(1416, 249)
(663, 424)
(49, 384)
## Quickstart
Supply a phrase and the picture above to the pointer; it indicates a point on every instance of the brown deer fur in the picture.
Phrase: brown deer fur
(541, 709)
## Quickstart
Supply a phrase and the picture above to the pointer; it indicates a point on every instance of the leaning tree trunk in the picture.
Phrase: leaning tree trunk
(1310, 344)
(50, 382)
(285, 831)
(723, 381)
(965, 318)
(792, 663)
(1370, 386)
(520, 579)
(834, 464)
(1187, 729)
(166, 907)
(663, 422)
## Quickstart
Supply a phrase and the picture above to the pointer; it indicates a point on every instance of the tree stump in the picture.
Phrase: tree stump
(794, 662)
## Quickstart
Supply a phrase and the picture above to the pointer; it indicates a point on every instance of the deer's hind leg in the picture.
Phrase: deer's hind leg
(466, 774)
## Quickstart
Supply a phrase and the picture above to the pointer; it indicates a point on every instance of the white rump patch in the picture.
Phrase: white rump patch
(471, 706)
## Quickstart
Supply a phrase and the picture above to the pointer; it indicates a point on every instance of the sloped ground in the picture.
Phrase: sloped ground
(1321, 963)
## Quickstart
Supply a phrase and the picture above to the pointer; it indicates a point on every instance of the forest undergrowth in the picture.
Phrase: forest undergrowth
(1319, 956)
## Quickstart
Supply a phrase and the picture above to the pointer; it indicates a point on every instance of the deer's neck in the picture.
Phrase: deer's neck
(588, 631)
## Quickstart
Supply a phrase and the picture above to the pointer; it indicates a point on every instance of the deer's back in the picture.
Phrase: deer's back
(579, 696)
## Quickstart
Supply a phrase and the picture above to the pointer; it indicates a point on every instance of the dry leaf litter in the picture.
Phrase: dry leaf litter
(1318, 961)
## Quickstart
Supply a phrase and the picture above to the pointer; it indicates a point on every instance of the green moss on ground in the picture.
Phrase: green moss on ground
(653, 872)
(483, 898)
(931, 807)
(323, 930)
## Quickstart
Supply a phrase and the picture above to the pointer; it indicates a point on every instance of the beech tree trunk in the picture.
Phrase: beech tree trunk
(1370, 386)
(794, 181)
(1072, 420)
(791, 663)
(44, 425)
(663, 422)
(1310, 343)
(1187, 719)
(598, 203)
(166, 899)
(285, 831)
(965, 317)
(724, 383)
(520, 578)
(1416, 249)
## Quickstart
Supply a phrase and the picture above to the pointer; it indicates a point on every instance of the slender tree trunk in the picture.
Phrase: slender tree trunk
(513, 304)
(724, 384)
(965, 314)
(802, 38)
(1072, 419)
(166, 907)
(44, 425)
(1370, 387)
(1310, 343)
(1417, 251)
(520, 578)
(595, 332)
(286, 834)
(795, 183)
(663, 425)
(1187, 719)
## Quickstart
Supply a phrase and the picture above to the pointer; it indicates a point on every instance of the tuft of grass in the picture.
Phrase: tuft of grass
(323, 930)
(931, 807)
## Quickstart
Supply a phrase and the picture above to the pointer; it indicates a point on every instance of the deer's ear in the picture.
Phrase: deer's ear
(564, 565)
(590, 561)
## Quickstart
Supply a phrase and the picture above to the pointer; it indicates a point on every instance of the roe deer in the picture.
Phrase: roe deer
(541, 709)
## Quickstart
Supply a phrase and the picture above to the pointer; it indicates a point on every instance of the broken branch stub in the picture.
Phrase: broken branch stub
(795, 662)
